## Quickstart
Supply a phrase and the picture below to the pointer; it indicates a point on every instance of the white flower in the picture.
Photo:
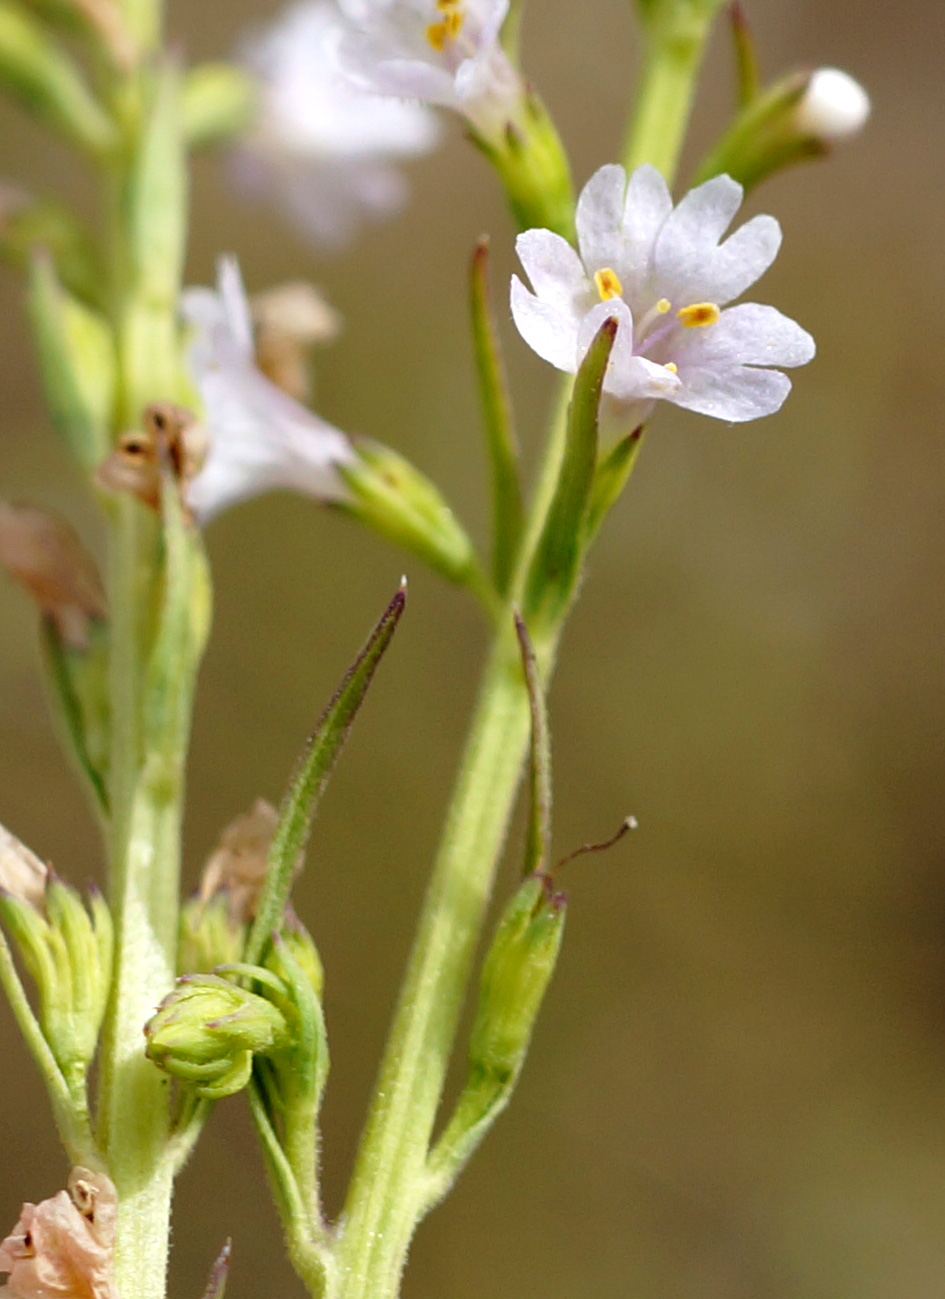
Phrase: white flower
(326, 148)
(259, 437)
(445, 52)
(833, 107)
(662, 273)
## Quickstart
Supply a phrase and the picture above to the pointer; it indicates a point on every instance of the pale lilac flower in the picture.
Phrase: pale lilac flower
(259, 437)
(663, 274)
(326, 149)
(22, 874)
(445, 52)
(833, 107)
(62, 1248)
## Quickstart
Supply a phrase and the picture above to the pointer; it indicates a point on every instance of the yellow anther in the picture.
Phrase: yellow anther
(699, 313)
(608, 285)
(440, 34)
(672, 367)
(663, 306)
(445, 6)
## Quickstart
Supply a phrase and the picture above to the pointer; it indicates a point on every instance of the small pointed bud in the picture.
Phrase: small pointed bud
(44, 554)
(207, 1030)
(394, 498)
(834, 107)
(289, 320)
(300, 946)
(22, 874)
(516, 972)
(62, 1248)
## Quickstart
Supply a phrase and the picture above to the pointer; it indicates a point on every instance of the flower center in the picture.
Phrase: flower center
(698, 314)
(608, 284)
(445, 31)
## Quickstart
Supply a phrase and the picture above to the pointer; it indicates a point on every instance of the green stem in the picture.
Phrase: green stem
(388, 1188)
(676, 37)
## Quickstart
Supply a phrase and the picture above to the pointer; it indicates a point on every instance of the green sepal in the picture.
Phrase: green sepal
(44, 79)
(78, 684)
(218, 102)
(28, 223)
(610, 478)
(532, 165)
(501, 442)
(76, 357)
(311, 776)
(556, 566)
(208, 936)
(391, 496)
(764, 137)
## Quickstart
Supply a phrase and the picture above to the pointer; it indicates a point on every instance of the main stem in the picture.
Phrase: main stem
(385, 1193)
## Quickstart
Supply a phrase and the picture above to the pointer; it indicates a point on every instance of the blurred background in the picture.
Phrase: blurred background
(737, 1087)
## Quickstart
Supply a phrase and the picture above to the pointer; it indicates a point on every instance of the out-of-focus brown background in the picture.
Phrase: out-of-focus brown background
(738, 1083)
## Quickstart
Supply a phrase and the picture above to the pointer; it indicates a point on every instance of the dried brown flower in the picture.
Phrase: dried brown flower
(45, 555)
(22, 874)
(62, 1248)
(290, 320)
(237, 866)
(172, 436)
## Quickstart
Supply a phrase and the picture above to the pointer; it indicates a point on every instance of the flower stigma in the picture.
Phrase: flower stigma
(608, 284)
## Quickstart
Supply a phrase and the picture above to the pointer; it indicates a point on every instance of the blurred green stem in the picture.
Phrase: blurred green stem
(676, 33)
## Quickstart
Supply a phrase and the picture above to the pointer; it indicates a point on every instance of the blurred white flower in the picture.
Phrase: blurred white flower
(322, 147)
(446, 52)
(663, 274)
(259, 437)
(833, 107)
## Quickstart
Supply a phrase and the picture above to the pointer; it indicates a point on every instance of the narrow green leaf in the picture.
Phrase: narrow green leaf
(747, 73)
(499, 423)
(556, 566)
(538, 847)
(47, 83)
(77, 683)
(613, 470)
(311, 777)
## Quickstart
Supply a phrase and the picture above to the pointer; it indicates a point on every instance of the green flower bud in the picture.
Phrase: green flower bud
(800, 117)
(207, 1030)
(300, 947)
(209, 936)
(68, 953)
(218, 101)
(516, 972)
(395, 499)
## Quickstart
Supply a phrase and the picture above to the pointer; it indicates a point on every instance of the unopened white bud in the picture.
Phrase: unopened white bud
(833, 106)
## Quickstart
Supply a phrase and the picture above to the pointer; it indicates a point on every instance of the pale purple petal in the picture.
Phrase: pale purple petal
(743, 258)
(554, 268)
(690, 235)
(734, 394)
(235, 303)
(546, 328)
(599, 217)
(648, 204)
(627, 377)
(749, 334)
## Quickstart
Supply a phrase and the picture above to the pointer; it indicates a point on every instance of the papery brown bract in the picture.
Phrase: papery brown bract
(62, 1248)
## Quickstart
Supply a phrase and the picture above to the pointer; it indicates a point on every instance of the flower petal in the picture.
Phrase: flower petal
(600, 216)
(554, 268)
(546, 328)
(749, 334)
(690, 235)
(743, 258)
(628, 378)
(647, 206)
(736, 394)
